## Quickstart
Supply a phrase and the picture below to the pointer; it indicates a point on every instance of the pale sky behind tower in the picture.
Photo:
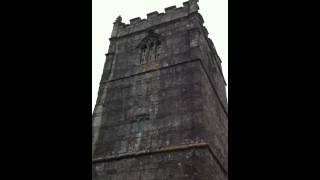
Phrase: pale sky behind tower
(104, 13)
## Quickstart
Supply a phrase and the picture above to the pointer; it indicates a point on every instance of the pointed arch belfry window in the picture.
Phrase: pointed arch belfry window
(150, 47)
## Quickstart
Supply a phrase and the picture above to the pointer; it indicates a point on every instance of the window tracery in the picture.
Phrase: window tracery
(150, 48)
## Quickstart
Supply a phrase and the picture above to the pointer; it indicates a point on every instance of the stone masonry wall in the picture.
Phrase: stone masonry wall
(150, 111)
(147, 111)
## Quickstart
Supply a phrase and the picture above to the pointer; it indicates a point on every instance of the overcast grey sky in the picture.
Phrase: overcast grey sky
(104, 13)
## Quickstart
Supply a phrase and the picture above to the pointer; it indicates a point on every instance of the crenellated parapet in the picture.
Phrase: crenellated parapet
(154, 18)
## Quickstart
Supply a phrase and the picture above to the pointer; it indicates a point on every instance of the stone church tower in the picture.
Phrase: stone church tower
(161, 112)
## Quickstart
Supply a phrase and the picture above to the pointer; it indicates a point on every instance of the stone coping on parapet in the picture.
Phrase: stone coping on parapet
(155, 18)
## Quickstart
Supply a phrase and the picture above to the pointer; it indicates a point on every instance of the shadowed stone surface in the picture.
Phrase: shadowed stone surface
(161, 111)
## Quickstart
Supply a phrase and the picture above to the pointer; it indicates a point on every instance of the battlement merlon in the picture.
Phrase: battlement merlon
(154, 18)
(135, 20)
(152, 14)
